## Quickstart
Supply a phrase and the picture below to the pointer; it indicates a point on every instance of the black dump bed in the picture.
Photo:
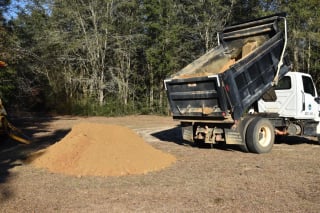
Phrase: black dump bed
(231, 77)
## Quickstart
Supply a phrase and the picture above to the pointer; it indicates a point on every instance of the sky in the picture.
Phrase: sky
(13, 8)
(17, 5)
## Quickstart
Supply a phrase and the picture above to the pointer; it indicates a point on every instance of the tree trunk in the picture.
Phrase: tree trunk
(309, 55)
(296, 57)
(151, 91)
(161, 95)
(101, 90)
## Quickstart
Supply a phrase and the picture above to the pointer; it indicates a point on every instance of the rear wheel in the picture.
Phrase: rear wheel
(243, 129)
(260, 136)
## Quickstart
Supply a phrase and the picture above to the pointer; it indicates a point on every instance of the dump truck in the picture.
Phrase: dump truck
(244, 91)
(7, 129)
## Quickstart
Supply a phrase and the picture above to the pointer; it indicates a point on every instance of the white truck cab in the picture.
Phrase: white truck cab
(296, 99)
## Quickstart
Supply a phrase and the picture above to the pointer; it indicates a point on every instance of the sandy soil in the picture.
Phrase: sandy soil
(222, 179)
(92, 149)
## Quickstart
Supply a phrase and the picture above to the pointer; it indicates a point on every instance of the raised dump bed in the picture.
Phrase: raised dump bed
(228, 79)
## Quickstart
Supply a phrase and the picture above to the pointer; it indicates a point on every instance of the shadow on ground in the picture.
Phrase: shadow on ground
(174, 135)
(13, 153)
(294, 140)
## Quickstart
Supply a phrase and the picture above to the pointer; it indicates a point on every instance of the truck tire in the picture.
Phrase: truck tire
(260, 136)
(243, 129)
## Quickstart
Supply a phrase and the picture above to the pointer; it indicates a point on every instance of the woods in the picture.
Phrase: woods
(109, 57)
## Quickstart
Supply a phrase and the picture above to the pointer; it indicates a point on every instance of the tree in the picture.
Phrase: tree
(114, 55)
(86, 33)
(304, 21)
(206, 18)
(7, 86)
(177, 32)
(157, 17)
(127, 44)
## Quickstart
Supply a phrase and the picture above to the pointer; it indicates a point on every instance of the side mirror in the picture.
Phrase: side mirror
(317, 99)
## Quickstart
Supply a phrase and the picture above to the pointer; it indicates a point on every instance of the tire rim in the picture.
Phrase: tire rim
(264, 136)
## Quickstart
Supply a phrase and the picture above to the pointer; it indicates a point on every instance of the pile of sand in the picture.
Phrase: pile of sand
(92, 149)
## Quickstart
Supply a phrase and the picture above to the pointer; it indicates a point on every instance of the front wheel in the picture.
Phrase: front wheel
(260, 136)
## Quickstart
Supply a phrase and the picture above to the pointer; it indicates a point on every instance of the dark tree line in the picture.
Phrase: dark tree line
(111, 56)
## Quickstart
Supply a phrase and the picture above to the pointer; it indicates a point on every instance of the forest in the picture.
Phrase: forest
(110, 57)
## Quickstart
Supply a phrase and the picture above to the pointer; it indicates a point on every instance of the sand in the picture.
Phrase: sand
(92, 149)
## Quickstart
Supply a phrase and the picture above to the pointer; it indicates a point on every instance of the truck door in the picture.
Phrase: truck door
(286, 103)
(309, 106)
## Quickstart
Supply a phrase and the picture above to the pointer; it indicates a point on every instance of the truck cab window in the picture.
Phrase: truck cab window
(284, 83)
(308, 85)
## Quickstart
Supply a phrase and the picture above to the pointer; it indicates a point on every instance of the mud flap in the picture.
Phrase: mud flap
(318, 132)
(187, 131)
(233, 137)
(311, 128)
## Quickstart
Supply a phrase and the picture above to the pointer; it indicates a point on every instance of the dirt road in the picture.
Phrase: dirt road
(222, 179)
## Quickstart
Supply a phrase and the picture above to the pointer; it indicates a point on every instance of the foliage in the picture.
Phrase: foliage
(304, 20)
(108, 57)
